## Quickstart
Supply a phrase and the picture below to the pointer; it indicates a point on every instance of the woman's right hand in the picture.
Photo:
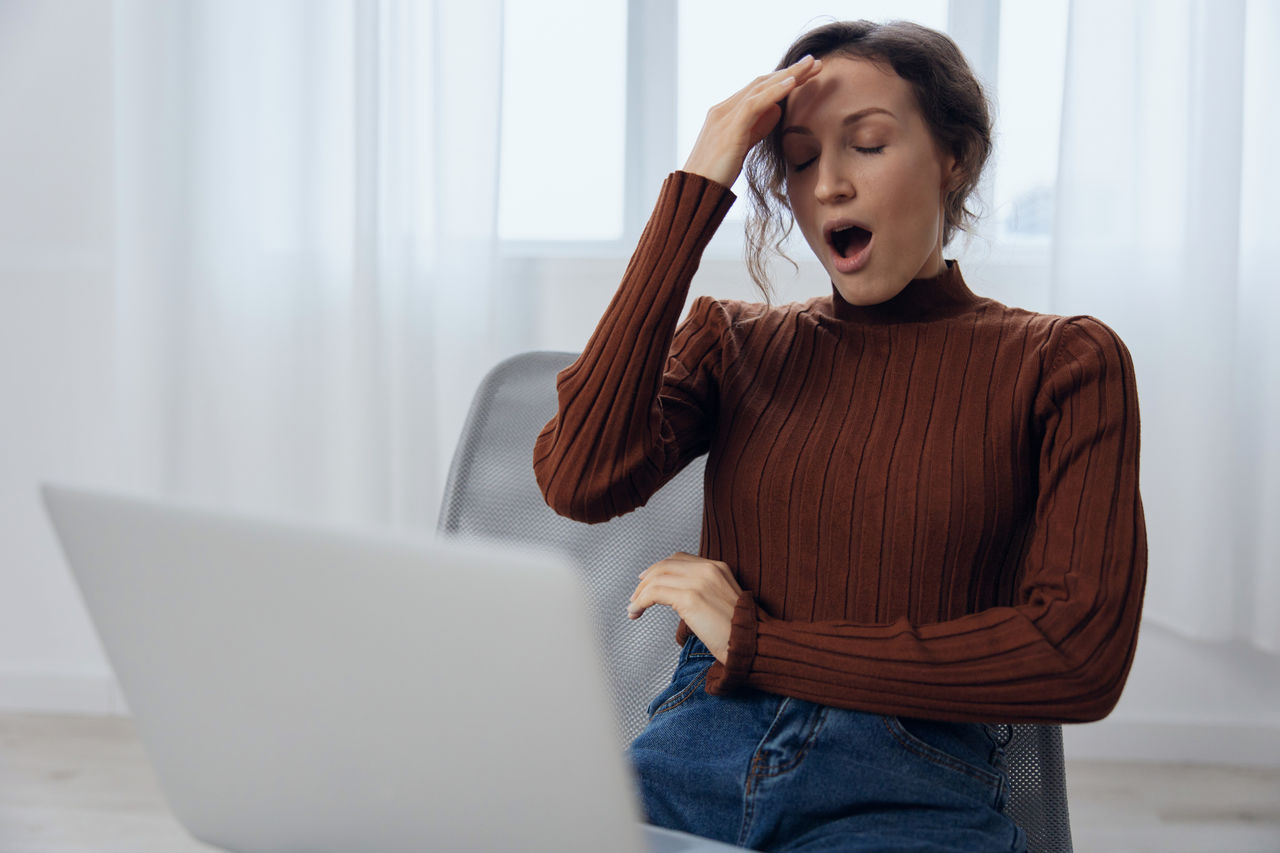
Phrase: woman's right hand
(736, 124)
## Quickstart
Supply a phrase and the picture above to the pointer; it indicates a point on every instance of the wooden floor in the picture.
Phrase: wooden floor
(74, 784)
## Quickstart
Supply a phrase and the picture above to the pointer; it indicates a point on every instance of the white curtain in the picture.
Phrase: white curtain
(1165, 228)
(305, 247)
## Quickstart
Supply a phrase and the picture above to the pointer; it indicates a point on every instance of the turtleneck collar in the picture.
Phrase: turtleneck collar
(943, 295)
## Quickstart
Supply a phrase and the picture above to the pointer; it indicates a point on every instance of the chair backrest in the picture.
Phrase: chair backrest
(491, 493)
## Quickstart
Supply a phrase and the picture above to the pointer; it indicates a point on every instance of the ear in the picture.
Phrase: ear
(952, 175)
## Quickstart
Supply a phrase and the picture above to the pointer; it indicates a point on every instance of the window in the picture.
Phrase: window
(1028, 118)
(563, 113)
(760, 31)
(626, 87)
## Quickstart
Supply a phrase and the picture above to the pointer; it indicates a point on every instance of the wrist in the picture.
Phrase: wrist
(719, 174)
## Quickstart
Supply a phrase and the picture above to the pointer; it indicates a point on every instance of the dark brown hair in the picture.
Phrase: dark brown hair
(950, 99)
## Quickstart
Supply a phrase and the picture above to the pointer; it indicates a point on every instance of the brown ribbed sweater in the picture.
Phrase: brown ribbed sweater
(931, 504)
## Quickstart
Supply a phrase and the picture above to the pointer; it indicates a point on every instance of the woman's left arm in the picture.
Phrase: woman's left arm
(1062, 653)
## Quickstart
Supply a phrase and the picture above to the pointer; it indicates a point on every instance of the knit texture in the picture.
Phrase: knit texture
(931, 504)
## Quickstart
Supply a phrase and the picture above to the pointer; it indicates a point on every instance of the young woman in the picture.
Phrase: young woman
(922, 516)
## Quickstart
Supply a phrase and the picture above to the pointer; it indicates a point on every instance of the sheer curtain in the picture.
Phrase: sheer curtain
(1165, 229)
(305, 247)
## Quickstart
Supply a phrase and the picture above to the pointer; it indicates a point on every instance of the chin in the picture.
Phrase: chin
(864, 291)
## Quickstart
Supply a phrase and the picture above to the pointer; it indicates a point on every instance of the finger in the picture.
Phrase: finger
(798, 71)
(680, 562)
(677, 557)
(774, 94)
(709, 585)
(681, 580)
(676, 579)
(650, 570)
(683, 562)
(802, 69)
(636, 608)
(664, 594)
(681, 557)
(803, 63)
(785, 80)
(726, 573)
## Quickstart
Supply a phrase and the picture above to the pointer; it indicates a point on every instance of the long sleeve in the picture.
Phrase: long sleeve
(1060, 654)
(637, 405)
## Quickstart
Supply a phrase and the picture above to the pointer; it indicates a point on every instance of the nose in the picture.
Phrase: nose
(834, 183)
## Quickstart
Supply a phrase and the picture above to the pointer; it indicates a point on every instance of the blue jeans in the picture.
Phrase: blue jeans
(775, 773)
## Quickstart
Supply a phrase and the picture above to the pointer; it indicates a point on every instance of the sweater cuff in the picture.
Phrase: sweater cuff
(707, 182)
(722, 678)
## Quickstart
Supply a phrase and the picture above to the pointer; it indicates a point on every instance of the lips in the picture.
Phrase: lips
(850, 243)
(847, 237)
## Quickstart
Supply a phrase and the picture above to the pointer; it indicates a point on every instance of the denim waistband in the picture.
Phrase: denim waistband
(694, 648)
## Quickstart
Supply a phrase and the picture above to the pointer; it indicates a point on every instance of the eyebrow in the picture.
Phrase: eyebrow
(852, 118)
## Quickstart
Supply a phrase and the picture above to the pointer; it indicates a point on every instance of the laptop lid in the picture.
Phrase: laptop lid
(299, 687)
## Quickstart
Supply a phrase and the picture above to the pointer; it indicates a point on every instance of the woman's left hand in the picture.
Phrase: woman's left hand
(702, 592)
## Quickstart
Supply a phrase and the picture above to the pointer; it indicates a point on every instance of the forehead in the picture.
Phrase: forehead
(846, 85)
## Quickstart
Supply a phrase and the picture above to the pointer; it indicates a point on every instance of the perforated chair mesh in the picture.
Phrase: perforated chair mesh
(491, 494)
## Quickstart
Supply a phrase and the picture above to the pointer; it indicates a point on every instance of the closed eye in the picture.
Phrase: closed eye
(802, 166)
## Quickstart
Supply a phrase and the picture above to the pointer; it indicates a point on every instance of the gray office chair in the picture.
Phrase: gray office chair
(491, 493)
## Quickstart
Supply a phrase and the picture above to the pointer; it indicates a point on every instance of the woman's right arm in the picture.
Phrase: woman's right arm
(637, 404)
(626, 422)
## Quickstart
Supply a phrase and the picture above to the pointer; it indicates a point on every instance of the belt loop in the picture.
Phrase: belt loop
(995, 731)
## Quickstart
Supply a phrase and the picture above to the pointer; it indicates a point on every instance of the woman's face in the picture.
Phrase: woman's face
(858, 151)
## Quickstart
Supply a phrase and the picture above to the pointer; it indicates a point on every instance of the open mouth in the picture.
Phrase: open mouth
(849, 240)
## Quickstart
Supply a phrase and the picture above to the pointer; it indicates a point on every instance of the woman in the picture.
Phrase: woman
(922, 515)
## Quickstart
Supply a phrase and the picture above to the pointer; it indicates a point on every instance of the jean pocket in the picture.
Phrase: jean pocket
(964, 749)
(689, 677)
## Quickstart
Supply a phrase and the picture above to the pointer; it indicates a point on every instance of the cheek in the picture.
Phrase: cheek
(800, 212)
(904, 191)
(810, 225)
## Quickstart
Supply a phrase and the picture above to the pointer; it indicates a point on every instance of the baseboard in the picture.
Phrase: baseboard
(1195, 742)
(61, 693)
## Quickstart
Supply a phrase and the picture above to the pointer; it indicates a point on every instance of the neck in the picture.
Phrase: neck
(933, 268)
(924, 298)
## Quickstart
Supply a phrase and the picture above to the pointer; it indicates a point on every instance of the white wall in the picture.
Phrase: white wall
(1184, 700)
(56, 333)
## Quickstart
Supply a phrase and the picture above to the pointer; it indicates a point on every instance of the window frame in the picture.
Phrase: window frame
(651, 93)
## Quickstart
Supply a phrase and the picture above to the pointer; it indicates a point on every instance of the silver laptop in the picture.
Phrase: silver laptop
(302, 688)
